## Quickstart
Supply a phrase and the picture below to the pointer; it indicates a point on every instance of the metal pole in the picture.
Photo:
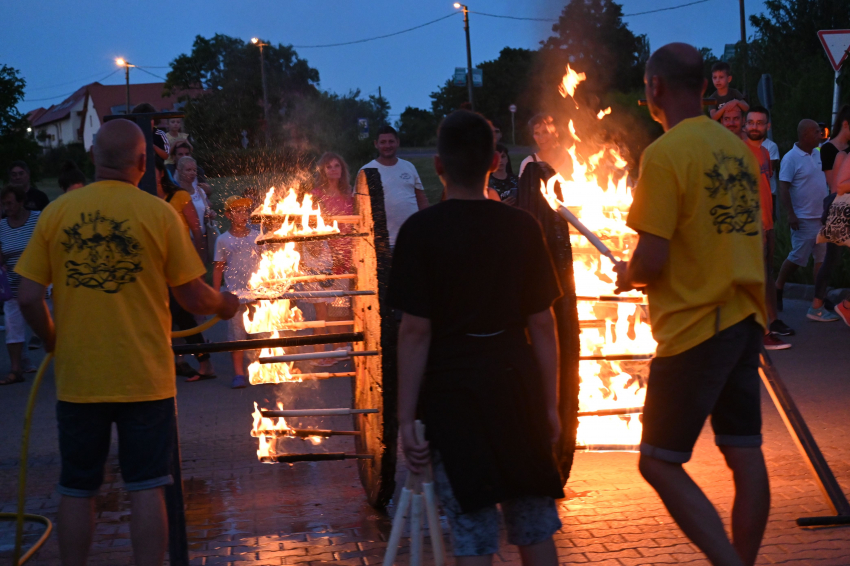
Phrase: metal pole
(127, 77)
(836, 98)
(265, 95)
(513, 128)
(468, 58)
(743, 47)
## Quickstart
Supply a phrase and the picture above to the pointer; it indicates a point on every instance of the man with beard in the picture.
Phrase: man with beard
(758, 118)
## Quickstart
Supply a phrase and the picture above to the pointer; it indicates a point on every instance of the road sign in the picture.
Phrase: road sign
(765, 91)
(459, 78)
(512, 107)
(363, 128)
(836, 43)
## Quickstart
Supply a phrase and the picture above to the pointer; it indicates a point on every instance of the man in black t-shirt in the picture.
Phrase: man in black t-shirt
(489, 399)
(19, 175)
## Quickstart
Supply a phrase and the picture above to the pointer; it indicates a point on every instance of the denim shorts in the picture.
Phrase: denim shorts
(718, 377)
(529, 520)
(803, 242)
(145, 442)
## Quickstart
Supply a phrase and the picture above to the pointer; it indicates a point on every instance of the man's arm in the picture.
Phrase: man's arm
(646, 265)
(414, 340)
(421, 199)
(199, 298)
(35, 311)
(544, 340)
(785, 199)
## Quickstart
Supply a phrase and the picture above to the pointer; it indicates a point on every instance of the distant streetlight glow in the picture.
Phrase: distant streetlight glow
(120, 62)
(457, 4)
(254, 40)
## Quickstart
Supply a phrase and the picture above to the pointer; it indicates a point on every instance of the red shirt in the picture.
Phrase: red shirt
(765, 196)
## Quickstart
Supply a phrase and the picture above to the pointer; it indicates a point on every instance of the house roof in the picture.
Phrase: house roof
(34, 115)
(106, 97)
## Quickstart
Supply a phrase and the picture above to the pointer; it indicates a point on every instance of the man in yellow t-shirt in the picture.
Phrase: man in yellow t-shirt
(111, 251)
(699, 257)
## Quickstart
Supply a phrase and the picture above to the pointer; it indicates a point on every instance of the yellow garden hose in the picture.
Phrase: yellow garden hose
(20, 516)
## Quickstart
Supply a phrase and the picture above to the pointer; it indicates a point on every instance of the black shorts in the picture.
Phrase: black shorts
(145, 442)
(718, 377)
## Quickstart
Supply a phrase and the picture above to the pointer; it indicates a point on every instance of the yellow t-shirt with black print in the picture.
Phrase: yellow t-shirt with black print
(698, 188)
(111, 251)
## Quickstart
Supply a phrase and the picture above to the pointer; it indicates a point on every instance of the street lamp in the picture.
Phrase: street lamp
(260, 44)
(458, 6)
(123, 63)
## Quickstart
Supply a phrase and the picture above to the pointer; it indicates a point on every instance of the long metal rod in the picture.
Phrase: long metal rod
(271, 413)
(303, 433)
(303, 278)
(299, 377)
(309, 238)
(804, 440)
(317, 457)
(618, 357)
(278, 218)
(611, 412)
(608, 447)
(309, 295)
(317, 355)
(586, 232)
(260, 343)
(612, 299)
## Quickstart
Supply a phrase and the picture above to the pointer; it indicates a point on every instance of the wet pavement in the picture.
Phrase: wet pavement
(240, 511)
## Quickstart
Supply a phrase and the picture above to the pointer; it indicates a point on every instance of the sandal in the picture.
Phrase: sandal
(185, 370)
(201, 377)
(13, 377)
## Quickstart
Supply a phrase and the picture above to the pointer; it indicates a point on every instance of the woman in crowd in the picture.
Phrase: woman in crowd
(187, 175)
(179, 197)
(503, 180)
(335, 197)
(15, 233)
(549, 148)
(174, 135)
(184, 149)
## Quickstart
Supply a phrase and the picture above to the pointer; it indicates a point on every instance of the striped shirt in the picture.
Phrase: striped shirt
(12, 243)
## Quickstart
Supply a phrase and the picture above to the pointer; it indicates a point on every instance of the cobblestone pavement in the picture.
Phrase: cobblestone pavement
(243, 512)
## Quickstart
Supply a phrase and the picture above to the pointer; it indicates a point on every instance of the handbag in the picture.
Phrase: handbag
(836, 229)
(5, 287)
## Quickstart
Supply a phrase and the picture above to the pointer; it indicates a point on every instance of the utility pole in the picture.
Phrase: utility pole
(260, 44)
(468, 53)
(123, 63)
(744, 57)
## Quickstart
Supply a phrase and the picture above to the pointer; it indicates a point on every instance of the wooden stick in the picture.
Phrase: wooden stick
(279, 218)
(611, 412)
(314, 457)
(416, 530)
(301, 278)
(309, 238)
(398, 526)
(618, 357)
(302, 433)
(314, 412)
(316, 356)
(434, 527)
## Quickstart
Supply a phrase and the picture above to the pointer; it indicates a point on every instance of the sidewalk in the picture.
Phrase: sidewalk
(243, 512)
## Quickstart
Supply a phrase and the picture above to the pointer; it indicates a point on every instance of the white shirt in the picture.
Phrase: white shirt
(241, 257)
(808, 183)
(400, 183)
(200, 203)
(773, 150)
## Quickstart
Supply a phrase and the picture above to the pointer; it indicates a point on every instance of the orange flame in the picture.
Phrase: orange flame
(569, 83)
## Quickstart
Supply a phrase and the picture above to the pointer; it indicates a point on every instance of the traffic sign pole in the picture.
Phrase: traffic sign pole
(836, 43)
(512, 108)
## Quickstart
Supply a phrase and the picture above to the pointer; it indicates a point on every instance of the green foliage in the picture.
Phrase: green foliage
(15, 142)
(52, 160)
(417, 127)
(786, 46)
(228, 69)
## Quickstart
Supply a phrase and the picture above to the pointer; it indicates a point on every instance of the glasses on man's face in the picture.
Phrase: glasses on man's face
(759, 123)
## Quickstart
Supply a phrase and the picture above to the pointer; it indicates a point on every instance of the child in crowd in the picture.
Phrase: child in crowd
(237, 257)
(726, 97)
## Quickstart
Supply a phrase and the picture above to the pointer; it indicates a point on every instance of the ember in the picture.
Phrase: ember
(598, 195)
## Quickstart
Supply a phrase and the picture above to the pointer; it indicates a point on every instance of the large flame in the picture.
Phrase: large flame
(295, 218)
(599, 196)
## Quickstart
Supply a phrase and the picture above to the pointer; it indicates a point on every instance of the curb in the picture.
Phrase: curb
(807, 292)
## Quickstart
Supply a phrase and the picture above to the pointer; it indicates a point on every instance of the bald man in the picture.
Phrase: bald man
(802, 188)
(111, 251)
(699, 258)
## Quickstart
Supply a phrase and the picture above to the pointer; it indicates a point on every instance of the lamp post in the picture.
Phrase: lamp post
(458, 5)
(123, 63)
(260, 44)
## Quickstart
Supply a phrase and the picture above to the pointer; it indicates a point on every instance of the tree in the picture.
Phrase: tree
(506, 81)
(417, 127)
(228, 69)
(15, 141)
(786, 46)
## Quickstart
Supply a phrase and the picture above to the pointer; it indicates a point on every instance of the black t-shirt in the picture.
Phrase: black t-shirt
(504, 186)
(731, 94)
(828, 153)
(472, 267)
(35, 199)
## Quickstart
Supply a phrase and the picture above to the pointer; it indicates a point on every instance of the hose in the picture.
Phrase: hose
(20, 516)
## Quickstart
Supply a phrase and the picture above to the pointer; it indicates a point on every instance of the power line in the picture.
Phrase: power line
(142, 69)
(665, 9)
(513, 17)
(379, 36)
(67, 94)
(65, 83)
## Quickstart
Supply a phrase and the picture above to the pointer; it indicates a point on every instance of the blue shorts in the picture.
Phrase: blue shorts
(145, 442)
(529, 520)
(803, 242)
(718, 377)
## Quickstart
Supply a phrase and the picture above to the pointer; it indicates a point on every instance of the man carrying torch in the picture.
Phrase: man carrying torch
(699, 258)
(488, 397)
